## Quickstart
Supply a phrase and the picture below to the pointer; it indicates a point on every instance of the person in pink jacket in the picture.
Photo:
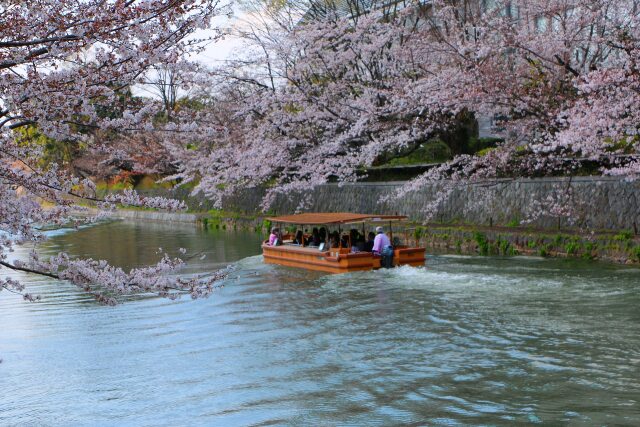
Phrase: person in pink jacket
(275, 233)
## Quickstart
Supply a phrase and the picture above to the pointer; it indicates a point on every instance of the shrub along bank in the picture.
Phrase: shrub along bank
(622, 247)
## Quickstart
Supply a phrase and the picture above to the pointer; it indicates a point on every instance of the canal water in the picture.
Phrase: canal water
(464, 341)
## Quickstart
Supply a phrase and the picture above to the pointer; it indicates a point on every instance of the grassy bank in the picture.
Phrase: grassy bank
(622, 247)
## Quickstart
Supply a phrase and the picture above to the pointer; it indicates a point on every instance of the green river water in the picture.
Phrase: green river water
(463, 341)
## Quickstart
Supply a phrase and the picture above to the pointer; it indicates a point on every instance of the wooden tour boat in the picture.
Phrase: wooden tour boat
(337, 260)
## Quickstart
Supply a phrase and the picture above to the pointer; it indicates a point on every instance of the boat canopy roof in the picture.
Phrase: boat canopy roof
(335, 218)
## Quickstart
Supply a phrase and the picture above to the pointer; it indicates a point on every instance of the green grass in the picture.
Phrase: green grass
(623, 236)
(432, 151)
(417, 233)
(544, 251)
(505, 247)
(481, 146)
(482, 242)
(514, 222)
(572, 248)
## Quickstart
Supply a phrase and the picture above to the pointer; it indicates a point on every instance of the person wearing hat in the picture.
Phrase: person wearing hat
(382, 246)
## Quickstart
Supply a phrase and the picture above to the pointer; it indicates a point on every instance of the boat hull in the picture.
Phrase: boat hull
(337, 261)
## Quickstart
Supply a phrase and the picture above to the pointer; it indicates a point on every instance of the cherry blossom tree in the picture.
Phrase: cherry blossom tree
(342, 87)
(63, 64)
(545, 68)
(330, 97)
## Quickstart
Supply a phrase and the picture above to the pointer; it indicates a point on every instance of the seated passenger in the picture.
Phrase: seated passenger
(314, 240)
(323, 235)
(368, 247)
(299, 240)
(353, 236)
(360, 246)
(275, 233)
(334, 240)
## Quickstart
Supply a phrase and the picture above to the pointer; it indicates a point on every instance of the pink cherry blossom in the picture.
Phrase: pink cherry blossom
(64, 65)
(321, 97)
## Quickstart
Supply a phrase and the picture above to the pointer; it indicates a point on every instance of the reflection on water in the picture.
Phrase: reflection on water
(465, 341)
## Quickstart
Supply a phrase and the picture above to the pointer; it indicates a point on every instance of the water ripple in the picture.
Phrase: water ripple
(464, 341)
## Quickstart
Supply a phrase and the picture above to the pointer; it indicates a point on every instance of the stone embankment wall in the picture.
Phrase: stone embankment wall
(155, 216)
(597, 203)
(605, 203)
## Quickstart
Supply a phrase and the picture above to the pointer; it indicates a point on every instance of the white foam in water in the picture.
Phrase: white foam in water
(405, 277)
(529, 258)
(500, 281)
(628, 270)
(436, 319)
(455, 256)
(506, 280)
(251, 266)
(250, 262)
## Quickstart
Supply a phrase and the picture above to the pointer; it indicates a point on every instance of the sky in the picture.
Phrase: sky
(215, 53)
